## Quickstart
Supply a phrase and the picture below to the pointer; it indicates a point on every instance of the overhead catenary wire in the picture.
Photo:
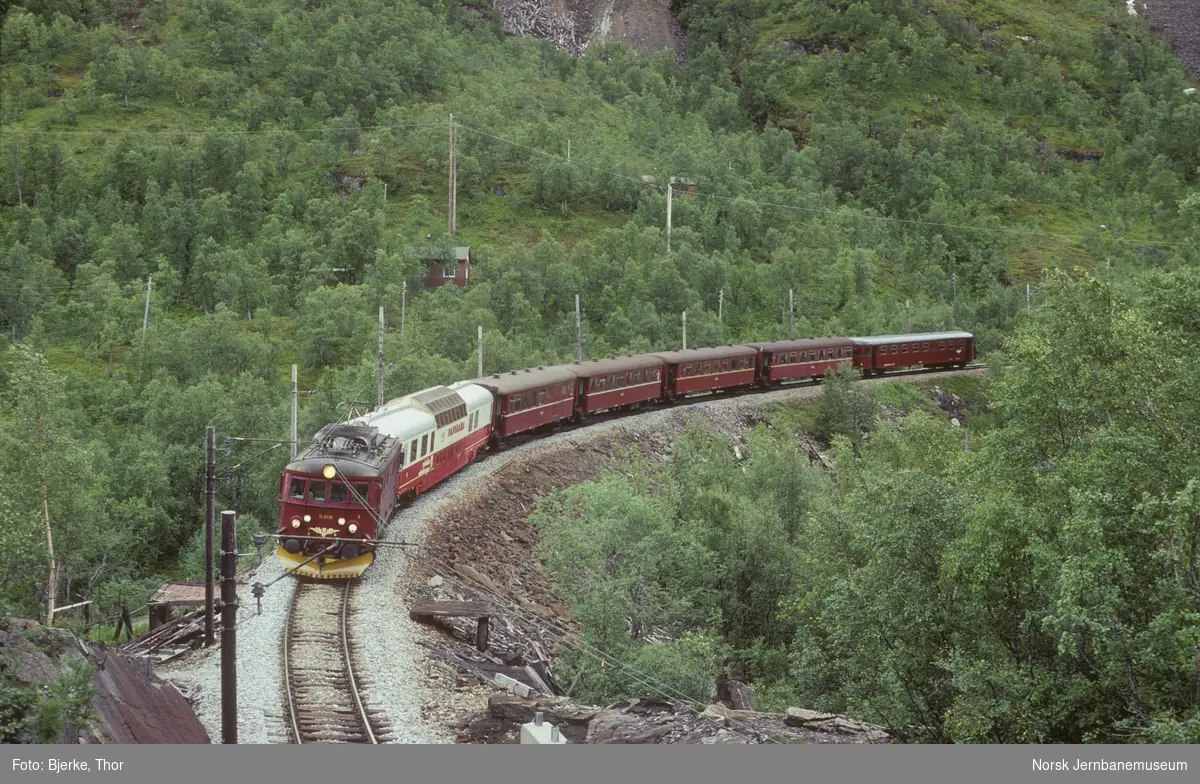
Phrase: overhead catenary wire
(211, 131)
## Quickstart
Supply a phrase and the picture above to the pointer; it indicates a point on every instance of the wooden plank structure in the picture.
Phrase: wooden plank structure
(426, 609)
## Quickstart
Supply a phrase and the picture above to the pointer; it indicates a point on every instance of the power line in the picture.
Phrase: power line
(213, 131)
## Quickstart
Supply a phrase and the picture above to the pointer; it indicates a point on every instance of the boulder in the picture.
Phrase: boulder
(799, 717)
(736, 695)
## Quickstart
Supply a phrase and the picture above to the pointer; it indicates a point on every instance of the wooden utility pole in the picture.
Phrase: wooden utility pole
(210, 472)
(907, 315)
(145, 323)
(578, 332)
(670, 182)
(146, 313)
(685, 330)
(721, 305)
(295, 405)
(229, 608)
(451, 226)
(791, 316)
(379, 404)
(1028, 299)
(480, 328)
(403, 306)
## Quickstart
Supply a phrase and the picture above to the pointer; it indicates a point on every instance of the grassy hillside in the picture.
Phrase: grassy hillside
(247, 157)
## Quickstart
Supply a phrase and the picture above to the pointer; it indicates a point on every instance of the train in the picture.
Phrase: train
(343, 487)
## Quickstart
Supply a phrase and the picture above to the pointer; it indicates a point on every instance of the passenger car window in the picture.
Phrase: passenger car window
(541, 396)
(297, 488)
(424, 445)
(316, 491)
(925, 346)
(904, 349)
(941, 344)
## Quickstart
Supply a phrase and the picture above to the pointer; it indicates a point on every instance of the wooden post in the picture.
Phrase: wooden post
(295, 404)
(480, 375)
(721, 305)
(481, 634)
(453, 182)
(229, 607)
(791, 316)
(210, 467)
(685, 330)
(403, 306)
(379, 403)
(1028, 300)
(578, 332)
(669, 189)
(907, 314)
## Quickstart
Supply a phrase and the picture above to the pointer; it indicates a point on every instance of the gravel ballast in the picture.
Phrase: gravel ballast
(259, 664)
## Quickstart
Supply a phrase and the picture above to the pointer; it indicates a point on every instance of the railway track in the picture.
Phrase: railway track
(323, 699)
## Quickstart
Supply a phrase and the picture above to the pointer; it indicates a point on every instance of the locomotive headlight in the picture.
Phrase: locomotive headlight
(329, 472)
(353, 527)
(295, 522)
(308, 518)
(341, 521)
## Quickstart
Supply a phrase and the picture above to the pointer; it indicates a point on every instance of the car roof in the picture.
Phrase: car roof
(912, 337)
(601, 367)
(802, 344)
(515, 381)
(701, 354)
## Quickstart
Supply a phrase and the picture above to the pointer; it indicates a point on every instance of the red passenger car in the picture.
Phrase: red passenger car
(529, 399)
(787, 360)
(874, 355)
(616, 383)
(707, 369)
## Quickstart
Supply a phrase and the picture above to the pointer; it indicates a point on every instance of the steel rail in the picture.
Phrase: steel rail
(362, 712)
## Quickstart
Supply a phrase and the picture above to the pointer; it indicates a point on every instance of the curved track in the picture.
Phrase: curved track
(323, 699)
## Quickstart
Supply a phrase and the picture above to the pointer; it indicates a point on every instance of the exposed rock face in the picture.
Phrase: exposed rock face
(130, 706)
(651, 721)
(1178, 21)
(645, 25)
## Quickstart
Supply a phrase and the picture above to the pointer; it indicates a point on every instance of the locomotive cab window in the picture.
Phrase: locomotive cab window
(297, 488)
(316, 491)
(339, 493)
(359, 494)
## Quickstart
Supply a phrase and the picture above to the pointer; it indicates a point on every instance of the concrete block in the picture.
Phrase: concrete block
(515, 686)
(532, 734)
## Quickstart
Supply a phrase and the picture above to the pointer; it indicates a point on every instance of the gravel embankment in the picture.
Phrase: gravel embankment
(393, 668)
(259, 665)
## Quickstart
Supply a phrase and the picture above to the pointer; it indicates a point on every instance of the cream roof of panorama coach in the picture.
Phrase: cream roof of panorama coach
(472, 394)
(401, 422)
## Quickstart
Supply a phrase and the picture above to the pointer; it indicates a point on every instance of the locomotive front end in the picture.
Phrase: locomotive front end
(327, 524)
